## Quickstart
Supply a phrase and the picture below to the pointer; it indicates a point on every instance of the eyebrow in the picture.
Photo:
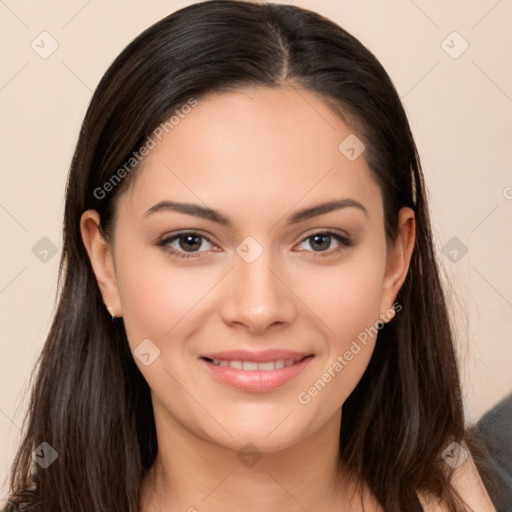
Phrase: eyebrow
(215, 216)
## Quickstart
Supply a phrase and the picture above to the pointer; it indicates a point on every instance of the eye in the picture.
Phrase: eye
(185, 244)
(190, 244)
(322, 242)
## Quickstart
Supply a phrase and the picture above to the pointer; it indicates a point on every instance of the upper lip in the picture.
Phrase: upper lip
(256, 356)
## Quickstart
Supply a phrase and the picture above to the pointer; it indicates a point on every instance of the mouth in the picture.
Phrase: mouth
(256, 372)
(237, 364)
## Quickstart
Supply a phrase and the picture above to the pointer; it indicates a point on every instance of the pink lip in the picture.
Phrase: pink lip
(256, 381)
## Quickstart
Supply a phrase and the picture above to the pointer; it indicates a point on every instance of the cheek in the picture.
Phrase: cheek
(356, 305)
(346, 305)
(346, 298)
(156, 296)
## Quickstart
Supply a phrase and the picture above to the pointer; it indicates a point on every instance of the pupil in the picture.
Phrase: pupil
(322, 242)
(192, 242)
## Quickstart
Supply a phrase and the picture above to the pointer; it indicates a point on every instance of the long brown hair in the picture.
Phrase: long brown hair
(90, 402)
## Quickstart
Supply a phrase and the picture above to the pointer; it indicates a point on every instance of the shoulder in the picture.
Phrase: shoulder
(467, 482)
(491, 441)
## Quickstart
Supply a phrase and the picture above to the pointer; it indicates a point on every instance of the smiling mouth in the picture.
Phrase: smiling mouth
(264, 375)
(263, 366)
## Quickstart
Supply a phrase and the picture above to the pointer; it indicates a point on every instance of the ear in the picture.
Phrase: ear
(102, 261)
(397, 262)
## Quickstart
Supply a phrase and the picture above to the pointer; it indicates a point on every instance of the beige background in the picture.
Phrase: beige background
(460, 110)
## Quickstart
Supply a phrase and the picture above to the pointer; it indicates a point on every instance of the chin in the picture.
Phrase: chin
(265, 434)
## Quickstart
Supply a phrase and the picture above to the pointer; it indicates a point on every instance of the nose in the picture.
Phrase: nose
(257, 297)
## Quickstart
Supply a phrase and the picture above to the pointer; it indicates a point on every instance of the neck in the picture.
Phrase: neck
(193, 474)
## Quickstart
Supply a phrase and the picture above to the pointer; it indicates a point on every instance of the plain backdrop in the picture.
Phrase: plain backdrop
(450, 62)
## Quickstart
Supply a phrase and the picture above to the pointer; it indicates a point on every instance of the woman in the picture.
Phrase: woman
(250, 312)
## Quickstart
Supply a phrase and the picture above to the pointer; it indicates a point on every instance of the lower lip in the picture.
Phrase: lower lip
(257, 381)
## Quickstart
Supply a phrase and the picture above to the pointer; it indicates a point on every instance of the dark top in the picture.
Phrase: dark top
(493, 434)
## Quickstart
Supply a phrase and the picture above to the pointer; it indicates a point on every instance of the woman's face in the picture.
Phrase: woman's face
(263, 275)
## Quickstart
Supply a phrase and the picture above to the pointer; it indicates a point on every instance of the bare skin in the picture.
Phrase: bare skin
(257, 157)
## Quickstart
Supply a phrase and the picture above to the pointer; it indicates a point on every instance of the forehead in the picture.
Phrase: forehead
(253, 147)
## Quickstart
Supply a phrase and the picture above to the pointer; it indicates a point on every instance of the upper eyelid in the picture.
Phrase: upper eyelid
(187, 232)
(167, 239)
(332, 231)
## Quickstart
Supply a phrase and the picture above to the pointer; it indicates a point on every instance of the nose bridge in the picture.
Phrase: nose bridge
(257, 297)
(256, 282)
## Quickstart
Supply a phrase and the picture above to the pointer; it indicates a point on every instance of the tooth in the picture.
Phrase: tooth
(267, 366)
(253, 365)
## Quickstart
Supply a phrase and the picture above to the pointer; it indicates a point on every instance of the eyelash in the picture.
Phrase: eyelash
(164, 243)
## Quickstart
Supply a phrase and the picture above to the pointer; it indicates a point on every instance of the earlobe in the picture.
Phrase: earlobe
(398, 261)
(100, 256)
